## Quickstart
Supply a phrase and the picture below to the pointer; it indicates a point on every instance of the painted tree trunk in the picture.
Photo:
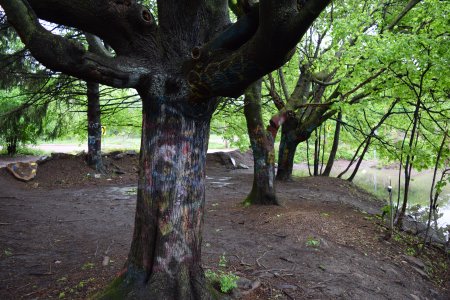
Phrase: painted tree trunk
(165, 256)
(262, 143)
(286, 155)
(94, 155)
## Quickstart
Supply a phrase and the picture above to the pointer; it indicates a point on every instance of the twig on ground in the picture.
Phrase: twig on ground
(257, 260)
(109, 247)
(241, 260)
(288, 295)
(96, 249)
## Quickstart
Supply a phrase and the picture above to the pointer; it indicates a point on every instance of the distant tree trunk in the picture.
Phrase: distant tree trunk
(307, 158)
(323, 149)
(409, 163)
(316, 153)
(434, 198)
(286, 154)
(352, 160)
(262, 143)
(360, 159)
(94, 155)
(335, 146)
(11, 145)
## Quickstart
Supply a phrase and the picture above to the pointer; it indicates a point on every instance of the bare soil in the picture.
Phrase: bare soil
(66, 234)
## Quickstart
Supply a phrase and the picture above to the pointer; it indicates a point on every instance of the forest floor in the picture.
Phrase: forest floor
(66, 234)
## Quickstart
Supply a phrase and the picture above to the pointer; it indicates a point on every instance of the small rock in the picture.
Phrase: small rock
(105, 261)
(97, 176)
(242, 166)
(434, 294)
(287, 287)
(233, 161)
(244, 283)
(414, 261)
(131, 152)
(256, 284)
(119, 156)
(421, 272)
(43, 159)
(415, 297)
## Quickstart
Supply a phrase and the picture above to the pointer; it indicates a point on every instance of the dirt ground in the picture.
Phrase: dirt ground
(66, 234)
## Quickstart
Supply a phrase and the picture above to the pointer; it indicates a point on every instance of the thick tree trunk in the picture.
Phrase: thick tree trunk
(286, 155)
(262, 143)
(165, 256)
(94, 155)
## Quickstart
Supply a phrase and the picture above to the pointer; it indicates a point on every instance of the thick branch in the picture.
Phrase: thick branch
(115, 21)
(61, 54)
(280, 27)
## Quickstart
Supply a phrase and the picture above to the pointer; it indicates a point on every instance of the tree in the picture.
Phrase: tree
(336, 70)
(262, 143)
(179, 65)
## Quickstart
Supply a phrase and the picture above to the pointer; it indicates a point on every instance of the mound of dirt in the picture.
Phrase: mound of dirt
(61, 170)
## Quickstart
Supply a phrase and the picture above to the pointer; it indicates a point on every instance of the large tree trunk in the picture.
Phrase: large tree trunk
(94, 155)
(262, 143)
(165, 256)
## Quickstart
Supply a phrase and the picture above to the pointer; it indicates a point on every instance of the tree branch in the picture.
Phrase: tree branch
(403, 13)
(64, 55)
(115, 21)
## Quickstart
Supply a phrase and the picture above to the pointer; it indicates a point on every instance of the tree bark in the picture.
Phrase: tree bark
(335, 146)
(316, 152)
(94, 155)
(286, 154)
(165, 257)
(262, 143)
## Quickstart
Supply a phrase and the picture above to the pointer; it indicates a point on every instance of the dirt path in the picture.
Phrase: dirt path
(62, 240)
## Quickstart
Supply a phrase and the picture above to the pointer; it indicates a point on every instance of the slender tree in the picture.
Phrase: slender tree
(179, 65)
(334, 147)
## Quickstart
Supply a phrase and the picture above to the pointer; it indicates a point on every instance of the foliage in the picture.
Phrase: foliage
(312, 242)
(227, 281)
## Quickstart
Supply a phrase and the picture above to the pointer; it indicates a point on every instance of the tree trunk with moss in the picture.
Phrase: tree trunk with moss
(288, 146)
(262, 143)
(180, 65)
